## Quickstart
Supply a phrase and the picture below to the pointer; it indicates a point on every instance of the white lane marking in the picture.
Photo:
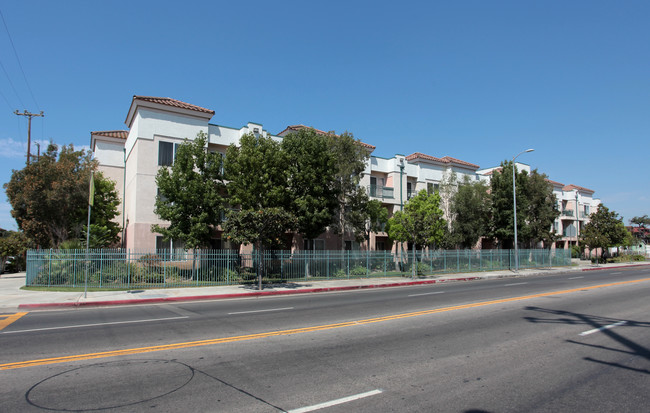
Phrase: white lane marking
(618, 272)
(575, 278)
(93, 325)
(508, 285)
(595, 330)
(436, 292)
(335, 402)
(261, 311)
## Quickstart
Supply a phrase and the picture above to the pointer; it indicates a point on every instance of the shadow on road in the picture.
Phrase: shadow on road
(631, 348)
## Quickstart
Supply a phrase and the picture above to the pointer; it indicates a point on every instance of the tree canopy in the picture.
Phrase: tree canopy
(421, 222)
(49, 198)
(470, 208)
(536, 206)
(642, 223)
(311, 168)
(12, 244)
(258, 189)
(605, 229)
(350, 157)
(191, 194)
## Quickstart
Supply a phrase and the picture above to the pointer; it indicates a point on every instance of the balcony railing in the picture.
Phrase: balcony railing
(567, 213)
(383, 192)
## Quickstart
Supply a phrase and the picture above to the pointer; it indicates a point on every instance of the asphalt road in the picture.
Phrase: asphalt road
(573, 342)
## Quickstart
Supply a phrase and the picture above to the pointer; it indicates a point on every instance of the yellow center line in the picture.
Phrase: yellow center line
(175, 346)
(9, 318)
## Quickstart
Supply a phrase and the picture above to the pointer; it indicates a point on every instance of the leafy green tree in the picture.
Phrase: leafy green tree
(263, 228)
(421, 222)
(448, 188)
(350, 157)
(471, 210)
(104, 231)
(311, 167)
(256, 173)
(376, 218)
(502, 216)
(536, 207)
(257, 185)
(13, 244)
(49, 197)
(605, 229)
(191, 194)
(642, 223)
(541, 211)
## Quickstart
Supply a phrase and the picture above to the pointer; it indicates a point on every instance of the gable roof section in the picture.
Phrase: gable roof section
(571, 187)
(157, 102)
(119, 134)
(554, 183)
(296, 128)
(448, 160)
(174, 103)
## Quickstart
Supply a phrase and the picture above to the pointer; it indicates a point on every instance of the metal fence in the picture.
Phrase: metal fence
(178, 268)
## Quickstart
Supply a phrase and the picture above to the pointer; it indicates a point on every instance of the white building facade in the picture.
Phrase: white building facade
(156, 126)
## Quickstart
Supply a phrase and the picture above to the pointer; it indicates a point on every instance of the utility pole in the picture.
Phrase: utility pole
(29, 129)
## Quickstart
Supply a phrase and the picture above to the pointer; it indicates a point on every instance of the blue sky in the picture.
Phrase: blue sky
(475, 80)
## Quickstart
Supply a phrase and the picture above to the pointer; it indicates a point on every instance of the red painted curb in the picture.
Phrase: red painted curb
(618, 266)
(235, 295)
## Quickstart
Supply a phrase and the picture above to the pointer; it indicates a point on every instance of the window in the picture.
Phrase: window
(315, 245)
(162, 244)
(431, 188)
(162, 197)
(166, 153)
(170, 249)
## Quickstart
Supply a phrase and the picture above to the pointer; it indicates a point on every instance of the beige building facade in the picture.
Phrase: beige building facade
(156, 126)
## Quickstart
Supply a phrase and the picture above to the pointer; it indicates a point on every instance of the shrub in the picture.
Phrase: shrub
(358, 270)
(575, 251)
(423, 269)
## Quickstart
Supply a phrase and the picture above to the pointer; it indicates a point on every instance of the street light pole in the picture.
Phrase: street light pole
(514, 201)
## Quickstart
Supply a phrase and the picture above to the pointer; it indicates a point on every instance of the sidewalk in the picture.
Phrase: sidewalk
(13, 298)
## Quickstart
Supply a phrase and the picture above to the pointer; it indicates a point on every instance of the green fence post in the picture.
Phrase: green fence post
(101, 266)
(128, 268)
(348, 261)
(327, 273)
(49, 271)
(367, 263)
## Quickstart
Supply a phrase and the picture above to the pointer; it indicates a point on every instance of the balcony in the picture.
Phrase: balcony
(383, 192)
(567, 213)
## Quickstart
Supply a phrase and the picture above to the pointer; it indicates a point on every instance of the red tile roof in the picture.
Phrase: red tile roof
(119, 134)
(499, 169)
(571, 187)
(173, 102)
(444, 159)
(295, 128)
(554, 182)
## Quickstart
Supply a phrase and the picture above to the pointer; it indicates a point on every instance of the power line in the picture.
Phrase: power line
(18, 59)
(12, 84)
(6, 100)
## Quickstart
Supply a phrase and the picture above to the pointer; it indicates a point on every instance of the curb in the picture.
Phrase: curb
(617, 266)
(236, 295)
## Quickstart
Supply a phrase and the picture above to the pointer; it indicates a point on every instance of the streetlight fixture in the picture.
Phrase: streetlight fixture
(514, 200)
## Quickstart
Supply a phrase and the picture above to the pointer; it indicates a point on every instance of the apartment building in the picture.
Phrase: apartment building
(156, 126)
